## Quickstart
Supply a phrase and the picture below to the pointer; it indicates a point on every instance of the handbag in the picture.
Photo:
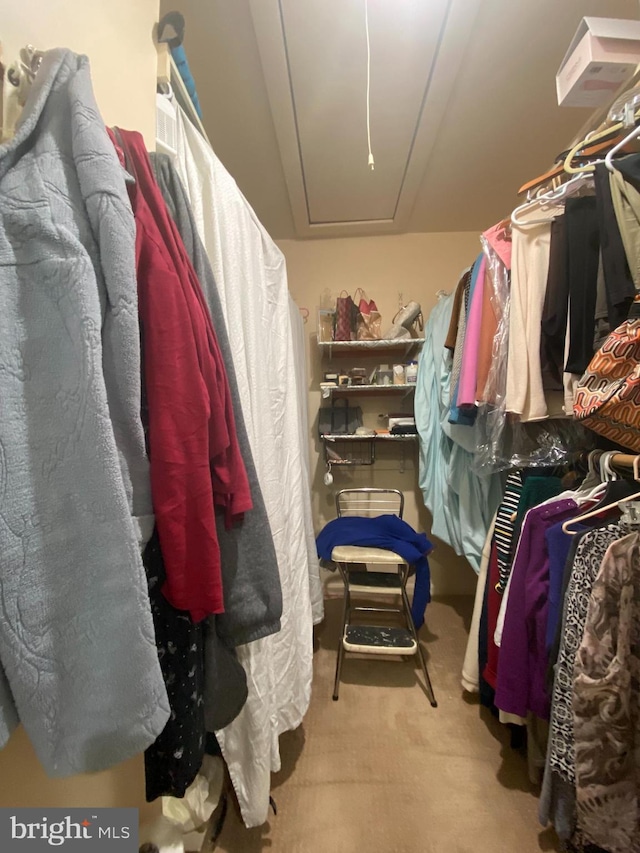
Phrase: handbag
(345, 318)
(607, 398)
(369, 320)
(339, 420)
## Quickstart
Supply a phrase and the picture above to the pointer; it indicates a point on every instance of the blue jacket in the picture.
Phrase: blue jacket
(392, 533)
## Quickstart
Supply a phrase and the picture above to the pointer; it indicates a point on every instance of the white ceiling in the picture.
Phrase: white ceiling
(463, 106)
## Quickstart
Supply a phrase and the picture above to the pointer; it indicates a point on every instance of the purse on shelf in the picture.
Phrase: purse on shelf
(369, 320)
(345, 319)
(339, 419)
(607, 398)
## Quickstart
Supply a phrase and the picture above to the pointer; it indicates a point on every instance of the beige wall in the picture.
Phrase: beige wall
(390, 269)
(117, 37)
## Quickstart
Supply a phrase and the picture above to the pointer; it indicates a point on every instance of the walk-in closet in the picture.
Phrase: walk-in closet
(320, 426)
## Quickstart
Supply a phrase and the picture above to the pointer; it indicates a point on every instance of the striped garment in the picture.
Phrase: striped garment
(505, 525)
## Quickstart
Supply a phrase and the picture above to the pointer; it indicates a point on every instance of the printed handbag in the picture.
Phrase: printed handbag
(369, 321)
(345, 318)
(607, 398)
(339, 419)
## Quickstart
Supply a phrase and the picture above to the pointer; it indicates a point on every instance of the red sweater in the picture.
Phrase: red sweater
(195, 458)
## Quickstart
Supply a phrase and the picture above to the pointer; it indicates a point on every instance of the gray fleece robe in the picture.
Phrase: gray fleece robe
(77, 649)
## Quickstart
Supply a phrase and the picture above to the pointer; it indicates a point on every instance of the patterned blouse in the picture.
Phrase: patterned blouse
(606, 704)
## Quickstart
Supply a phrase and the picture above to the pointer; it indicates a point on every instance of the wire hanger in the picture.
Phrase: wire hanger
(566, 527)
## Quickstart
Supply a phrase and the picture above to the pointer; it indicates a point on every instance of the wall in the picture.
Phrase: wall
(117, 37)
(391, 269)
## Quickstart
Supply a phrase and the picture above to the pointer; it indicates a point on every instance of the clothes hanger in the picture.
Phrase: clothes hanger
(590, 140)
(550, 198)
(608, 160)
(566, 527)
(593, 473)
(541, 200)
(607, 474)
(558, 170)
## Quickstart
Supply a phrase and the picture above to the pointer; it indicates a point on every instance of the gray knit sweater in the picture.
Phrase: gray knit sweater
(76, 637)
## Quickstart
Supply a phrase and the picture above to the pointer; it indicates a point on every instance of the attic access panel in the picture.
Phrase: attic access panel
(314, 58)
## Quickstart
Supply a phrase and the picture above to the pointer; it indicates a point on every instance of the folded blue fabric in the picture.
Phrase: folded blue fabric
(392, 533)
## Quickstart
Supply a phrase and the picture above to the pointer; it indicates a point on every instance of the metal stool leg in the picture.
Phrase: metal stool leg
(412, 628)
(345, 615)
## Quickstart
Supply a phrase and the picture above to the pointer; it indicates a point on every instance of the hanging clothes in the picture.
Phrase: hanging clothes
(195, 459)
(606, 704)
(488, 331)
(555, 311)
(250, 579)
(505, 526)
(250, 275)
(626, 204)
(173, 761)
(458, 301)
(464, 372)
(470, 669)
(460, 335)
(76, 638)
(523, 661)
(583, 254)
(619, 284)
(530, 264)
(557, 801)
(469, 369)
(445, 471)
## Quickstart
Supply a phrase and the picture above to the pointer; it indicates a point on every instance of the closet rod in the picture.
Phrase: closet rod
(624, 459)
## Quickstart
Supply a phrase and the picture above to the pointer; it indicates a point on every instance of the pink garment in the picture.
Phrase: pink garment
(469, 368)
(499, 238)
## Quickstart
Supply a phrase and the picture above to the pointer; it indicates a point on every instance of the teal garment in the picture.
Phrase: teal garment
(461, 503)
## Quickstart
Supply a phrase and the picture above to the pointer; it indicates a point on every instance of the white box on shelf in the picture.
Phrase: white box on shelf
(603, 54)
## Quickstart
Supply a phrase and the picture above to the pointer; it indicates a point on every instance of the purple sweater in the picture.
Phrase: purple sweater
(523, 655)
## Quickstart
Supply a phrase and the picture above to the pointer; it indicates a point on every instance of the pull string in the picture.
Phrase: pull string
(370, 161)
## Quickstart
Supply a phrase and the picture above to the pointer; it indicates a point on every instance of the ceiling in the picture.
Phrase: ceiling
(463, 106)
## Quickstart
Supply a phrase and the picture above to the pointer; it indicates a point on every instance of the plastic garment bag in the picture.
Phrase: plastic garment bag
(505, 442)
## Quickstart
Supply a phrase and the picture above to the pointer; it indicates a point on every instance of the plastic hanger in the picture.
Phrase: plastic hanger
(593, 474)
(551, 198)
(566, 527)
(607, 474)
(589, 141)
(590, 150)
(608, 160)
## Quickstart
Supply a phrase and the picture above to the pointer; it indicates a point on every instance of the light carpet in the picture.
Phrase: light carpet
(381, 770)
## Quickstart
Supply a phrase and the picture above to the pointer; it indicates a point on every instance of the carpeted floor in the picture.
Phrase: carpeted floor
(381, 771)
